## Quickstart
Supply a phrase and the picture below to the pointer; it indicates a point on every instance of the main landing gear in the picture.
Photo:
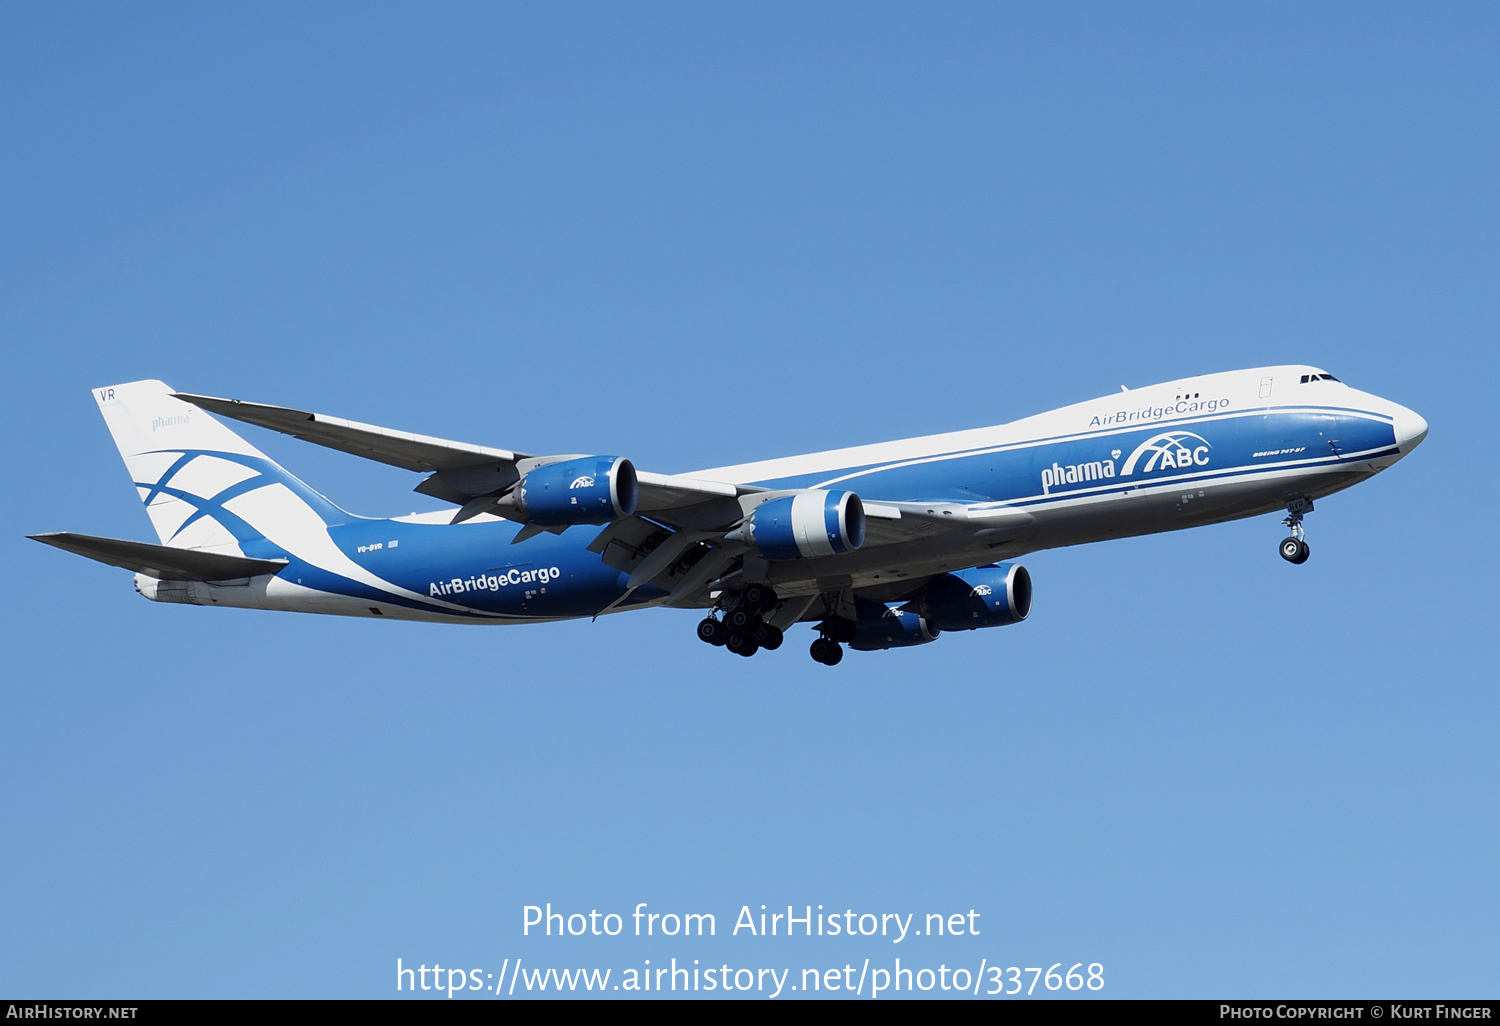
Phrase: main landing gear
(743, 631)
(827, 651)
(1294, 549)
(827, 648)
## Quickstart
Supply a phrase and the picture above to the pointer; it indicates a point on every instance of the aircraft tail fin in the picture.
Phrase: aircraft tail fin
(204, 486)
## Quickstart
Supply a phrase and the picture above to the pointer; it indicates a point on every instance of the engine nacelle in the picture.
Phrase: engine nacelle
(585, 490)
(986, 596)
(881, 626)
(807, 525)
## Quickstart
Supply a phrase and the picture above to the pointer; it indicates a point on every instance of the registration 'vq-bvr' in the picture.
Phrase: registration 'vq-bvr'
(877, 546)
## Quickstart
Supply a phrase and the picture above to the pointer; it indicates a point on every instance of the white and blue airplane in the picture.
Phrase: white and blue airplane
(879, 546)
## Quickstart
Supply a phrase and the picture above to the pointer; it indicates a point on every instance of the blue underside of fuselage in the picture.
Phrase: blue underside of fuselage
(475, 571)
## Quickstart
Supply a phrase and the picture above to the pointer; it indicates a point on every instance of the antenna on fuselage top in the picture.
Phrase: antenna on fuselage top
(1124, 389)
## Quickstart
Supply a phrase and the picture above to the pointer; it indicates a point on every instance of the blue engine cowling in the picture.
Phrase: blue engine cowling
(881, 626)
(986, 596)
(585, 490)
(807, 525)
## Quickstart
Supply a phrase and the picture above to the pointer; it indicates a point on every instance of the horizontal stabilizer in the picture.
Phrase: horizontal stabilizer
(161, 561)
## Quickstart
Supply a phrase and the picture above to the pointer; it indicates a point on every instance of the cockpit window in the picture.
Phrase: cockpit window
(1318, 377)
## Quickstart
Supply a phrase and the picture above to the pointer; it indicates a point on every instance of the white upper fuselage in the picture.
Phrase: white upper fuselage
(1258, 439)
(1195, 398)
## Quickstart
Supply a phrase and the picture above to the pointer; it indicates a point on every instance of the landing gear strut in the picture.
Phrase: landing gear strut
(1294, 548)
(742, 630)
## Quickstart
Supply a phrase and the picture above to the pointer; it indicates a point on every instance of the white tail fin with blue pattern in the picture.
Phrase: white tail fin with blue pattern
(204, 486)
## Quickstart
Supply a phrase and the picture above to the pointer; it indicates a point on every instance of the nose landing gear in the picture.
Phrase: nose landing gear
(1294, 549)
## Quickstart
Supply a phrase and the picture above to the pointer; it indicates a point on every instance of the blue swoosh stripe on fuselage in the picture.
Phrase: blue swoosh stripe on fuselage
(1013, 472)
(821, 478)
(1008, 474)
(475, 555)
(1056, 498)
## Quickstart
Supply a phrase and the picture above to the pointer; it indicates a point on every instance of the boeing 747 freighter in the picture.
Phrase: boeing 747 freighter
(878, 546)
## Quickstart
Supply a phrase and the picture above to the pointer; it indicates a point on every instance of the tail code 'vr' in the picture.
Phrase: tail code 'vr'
(204, 486)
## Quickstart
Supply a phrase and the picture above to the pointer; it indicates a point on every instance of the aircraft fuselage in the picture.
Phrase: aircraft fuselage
(1182, 454)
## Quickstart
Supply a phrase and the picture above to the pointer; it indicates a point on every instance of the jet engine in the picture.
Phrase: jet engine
(806, 525)
(986, 596)
(881, 626)
(582, 490)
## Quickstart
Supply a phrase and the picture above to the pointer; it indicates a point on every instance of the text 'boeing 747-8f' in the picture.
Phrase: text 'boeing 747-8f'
(879, 546)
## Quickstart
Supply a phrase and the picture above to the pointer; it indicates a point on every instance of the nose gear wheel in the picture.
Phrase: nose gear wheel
(1294, 548)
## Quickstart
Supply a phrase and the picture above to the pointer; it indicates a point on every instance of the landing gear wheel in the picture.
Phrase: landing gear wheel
(712, 631)
(767, 636)
(826, 652)
(742, 644)
(757, 597)
(1294, 549)
(739, 619)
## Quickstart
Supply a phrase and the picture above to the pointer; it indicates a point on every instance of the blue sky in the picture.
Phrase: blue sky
(702, 234)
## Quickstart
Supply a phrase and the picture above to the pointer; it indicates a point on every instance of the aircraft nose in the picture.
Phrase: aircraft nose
(1410, 429)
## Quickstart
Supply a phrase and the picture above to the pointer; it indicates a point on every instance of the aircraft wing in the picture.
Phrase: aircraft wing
(398, 448)
(678, 536)
(459, 472)
(466, 474)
